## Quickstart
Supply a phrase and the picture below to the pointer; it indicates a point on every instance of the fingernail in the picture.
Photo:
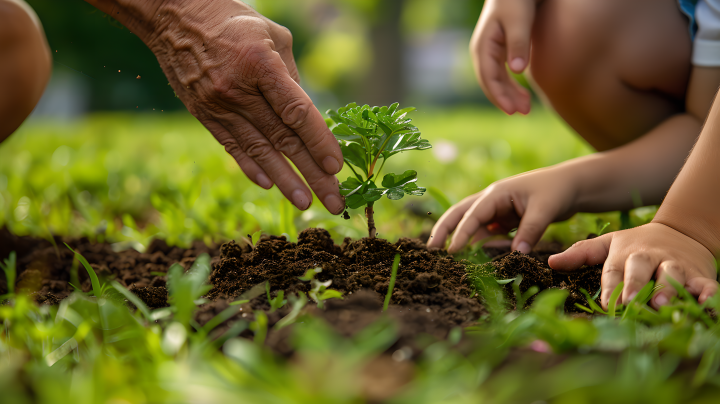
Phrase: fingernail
(661, 300)
(524, 247)
(334, 204)
(263, 180)
(517, 64)
(632, 296)
(331, 165)
(300, 200)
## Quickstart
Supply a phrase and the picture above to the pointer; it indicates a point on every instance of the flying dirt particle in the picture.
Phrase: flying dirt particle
(118, 71)
(138, 77)
(346, 215)
(429, 213)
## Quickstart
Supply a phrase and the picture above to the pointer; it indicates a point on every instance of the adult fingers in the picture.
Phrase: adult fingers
(448, 221)
(297, 111)
(251, 169)
(532, 226)
(283, 40)
(612, 275)
(517, 37)
(586, 252)
(666, 270)
(324, 185)
(639, 268)
(258, 148)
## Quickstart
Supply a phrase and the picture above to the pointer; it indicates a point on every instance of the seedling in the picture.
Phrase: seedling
(279, 300)
(319, 292)
(367, 134)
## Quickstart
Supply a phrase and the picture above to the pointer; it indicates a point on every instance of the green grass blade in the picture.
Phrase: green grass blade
(391, 286)
(97, 289)
(581, 307)
(613, 299)
(591, 301)
(133, 299)
(10, 269)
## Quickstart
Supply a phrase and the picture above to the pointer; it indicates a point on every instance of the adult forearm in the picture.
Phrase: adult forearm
(691, 206)
(646, 168)
(140, 16)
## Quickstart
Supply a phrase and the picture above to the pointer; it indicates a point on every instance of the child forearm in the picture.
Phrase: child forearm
(691, 204)
(644, 168)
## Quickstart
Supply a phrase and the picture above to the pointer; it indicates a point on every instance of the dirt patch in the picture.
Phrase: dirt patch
(535, 271)
(430, 296)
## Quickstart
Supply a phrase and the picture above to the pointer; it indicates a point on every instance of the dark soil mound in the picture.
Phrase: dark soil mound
(535, 271)
(430, 295)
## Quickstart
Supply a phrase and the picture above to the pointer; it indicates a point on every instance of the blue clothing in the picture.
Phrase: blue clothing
(688, 8)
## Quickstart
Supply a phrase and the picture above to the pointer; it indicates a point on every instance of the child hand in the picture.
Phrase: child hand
(503, 35)
(634, 255)
(533, 200)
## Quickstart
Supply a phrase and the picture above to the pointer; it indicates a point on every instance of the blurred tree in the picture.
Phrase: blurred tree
(108, 58)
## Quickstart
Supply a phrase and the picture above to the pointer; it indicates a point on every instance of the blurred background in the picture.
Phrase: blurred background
(110, 153)
(369, 51)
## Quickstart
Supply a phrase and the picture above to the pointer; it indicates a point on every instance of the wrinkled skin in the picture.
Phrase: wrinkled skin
(235, 72)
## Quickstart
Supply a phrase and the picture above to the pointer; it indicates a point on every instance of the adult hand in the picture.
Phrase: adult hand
(529, 201)
(634, 255)
(502, 35)
(235, 72)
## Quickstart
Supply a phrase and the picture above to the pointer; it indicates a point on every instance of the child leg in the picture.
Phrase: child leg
(612, 69)
(25, 64)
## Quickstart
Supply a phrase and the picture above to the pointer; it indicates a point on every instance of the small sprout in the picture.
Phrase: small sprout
(279, 300)
(319, 291)
(365, 135)
(391, 285)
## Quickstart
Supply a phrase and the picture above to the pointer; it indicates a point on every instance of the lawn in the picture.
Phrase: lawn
(127, 179)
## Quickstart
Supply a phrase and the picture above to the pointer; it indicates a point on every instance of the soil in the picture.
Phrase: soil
(430, 297)
(535, 270)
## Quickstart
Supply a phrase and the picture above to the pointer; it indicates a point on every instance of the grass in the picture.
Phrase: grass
(128, 178)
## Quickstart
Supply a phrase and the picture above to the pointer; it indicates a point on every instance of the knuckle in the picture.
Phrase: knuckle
(295, 113)
(259, 150)
(289, 143)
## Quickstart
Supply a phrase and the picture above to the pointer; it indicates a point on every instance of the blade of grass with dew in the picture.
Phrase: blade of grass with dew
(391, 286)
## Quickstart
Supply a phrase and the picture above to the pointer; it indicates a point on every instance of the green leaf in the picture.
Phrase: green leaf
(350, 186)
(354, 154)
(355, 201)
(256, 237)
(393, 181)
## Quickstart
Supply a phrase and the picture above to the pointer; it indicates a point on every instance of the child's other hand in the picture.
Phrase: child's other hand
(529, 201)
(634, 255)
(503, 35)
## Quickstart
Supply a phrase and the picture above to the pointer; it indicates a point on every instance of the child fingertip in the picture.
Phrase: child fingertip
(517, 65)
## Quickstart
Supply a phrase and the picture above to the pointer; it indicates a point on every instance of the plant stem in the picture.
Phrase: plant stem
(370, 219)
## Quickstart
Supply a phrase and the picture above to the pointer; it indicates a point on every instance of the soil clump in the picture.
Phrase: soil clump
(535, 270)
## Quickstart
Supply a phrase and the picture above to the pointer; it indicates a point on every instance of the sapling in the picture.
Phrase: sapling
(366, 135)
